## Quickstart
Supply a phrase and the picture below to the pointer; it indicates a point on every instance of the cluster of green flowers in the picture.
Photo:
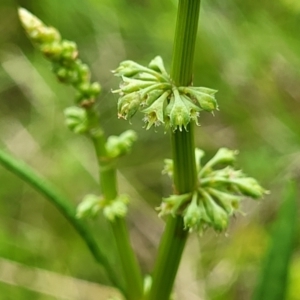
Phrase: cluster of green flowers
(150, 90)
(91, 205)
(63, 54)
(217, 196)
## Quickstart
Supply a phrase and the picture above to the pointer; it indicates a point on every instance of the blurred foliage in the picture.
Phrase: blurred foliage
(272, 283)
(248, 50)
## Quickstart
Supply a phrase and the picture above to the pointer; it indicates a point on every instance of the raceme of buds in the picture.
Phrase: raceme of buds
(92, 204)
(218, 194)
(151, 90)
(63, 54)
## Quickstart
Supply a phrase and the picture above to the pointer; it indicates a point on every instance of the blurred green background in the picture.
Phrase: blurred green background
(248, 50)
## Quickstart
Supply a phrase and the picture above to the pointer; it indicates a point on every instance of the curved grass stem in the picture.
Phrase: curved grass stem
(45, 188)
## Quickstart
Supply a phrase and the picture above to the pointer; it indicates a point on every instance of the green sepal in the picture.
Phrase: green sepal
(172, 204)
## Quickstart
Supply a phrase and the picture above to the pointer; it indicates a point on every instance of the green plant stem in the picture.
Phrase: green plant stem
(45, 188)
(175, 236)
(108, 182)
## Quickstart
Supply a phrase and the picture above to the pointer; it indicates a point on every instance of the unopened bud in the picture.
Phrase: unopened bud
(89, 207)
(179, 116)
(206, 101)
(157, 64)
(120, 145)
(192, 214)
(217, 215)
(117, 208)
(155, 112)
(128, 105)
(249, 187)
(76, 119)
(128, 68)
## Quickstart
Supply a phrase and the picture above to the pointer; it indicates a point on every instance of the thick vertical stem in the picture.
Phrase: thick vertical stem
(184, 42)
(175, 236)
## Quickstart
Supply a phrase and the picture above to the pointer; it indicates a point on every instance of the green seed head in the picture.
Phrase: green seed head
(217, 195)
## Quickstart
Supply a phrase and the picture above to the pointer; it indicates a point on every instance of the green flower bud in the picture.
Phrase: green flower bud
(89, 207)
(128, 68)
(192, 215)
(83, 71)
(84, 88)
(249, 186)
(206, 101)
(67, 76)
(36, 29)
(95, 89)
(172, 205)
(28, 20)
(179, 116)
(157, 64)
(69, 51)
(192, 109)
(227, 201)
(227, 173)
(223, 156)
(130, 85)
(149, 97)
(117, 208)
(61, 73)
(120, 145)
(155, 112)
(204, 90)
(128, 105)
(49, 35)
(76, 119)
(147, 76)
(217, 215)
(52, 51)
(167, 112)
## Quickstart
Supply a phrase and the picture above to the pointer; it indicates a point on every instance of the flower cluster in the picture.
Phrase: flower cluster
(63, 54)
(117, 146)
(92, 204)
(218, 195)
(151, 90)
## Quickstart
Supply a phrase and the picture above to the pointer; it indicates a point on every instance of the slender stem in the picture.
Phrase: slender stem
(108, 182)
(46, 189)
(130, 267)
(175, 236)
